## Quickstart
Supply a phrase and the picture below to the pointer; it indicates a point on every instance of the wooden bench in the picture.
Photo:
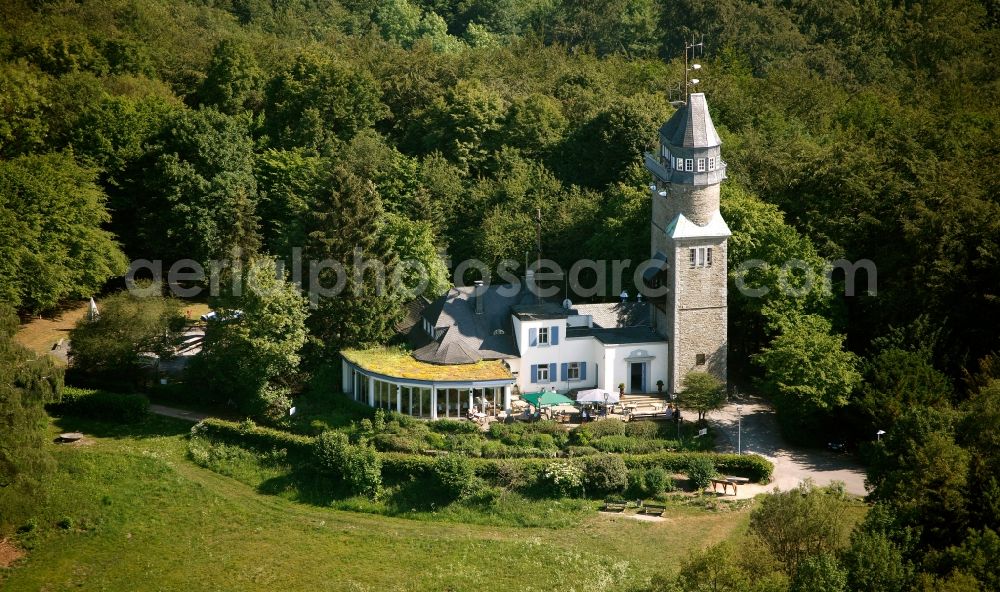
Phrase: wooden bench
(653, 509)
(613, 507)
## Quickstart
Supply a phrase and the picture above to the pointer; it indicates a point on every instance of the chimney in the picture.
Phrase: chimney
(479, 295)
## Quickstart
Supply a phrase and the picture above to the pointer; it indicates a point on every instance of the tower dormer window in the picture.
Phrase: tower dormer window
(689, 164)
(701, 257)
(701, 165)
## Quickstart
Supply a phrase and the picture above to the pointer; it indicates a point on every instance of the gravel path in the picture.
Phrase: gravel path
(760, 434)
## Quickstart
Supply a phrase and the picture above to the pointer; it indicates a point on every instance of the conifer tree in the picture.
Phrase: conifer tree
(347, 244)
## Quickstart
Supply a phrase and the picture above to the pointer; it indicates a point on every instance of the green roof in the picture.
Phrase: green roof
(399, 363)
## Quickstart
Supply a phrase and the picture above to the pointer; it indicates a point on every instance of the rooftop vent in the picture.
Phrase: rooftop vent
(478, 294)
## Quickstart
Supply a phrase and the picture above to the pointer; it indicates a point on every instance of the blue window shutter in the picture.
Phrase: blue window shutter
(534, 373)
(552, 372)
(564, 371)
(583, 370)
(532, 337)
(554, 331)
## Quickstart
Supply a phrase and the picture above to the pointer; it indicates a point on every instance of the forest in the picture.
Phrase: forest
(433, 130)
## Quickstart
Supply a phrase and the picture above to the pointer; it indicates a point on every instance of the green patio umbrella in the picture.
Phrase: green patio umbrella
(546, 399)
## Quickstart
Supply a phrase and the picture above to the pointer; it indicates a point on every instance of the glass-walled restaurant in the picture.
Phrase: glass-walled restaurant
(433, 400)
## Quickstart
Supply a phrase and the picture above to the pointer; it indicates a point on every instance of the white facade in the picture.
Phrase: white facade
(598, 364)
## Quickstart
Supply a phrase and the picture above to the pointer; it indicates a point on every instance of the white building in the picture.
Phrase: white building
(480, 346)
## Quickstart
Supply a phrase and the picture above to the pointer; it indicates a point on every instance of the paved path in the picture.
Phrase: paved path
(178, 413)
(760, 434)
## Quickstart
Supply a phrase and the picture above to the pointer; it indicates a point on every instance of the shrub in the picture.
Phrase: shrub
(542, 442)
(588, 432)
(453, 475)
(398, 443)
(604, 474)
(65, 523)
(563, 479)
(103, 405)
(700, 471)
(467, 444)
(657, 481)
(453, 426)
(648, 430)
(247, 433)
(358, 465)
(580, 450)
(626, 444)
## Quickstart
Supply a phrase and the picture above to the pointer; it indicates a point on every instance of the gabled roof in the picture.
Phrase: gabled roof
(691, 125)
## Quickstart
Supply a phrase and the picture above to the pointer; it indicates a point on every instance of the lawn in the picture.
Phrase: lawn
(136, 514)
(40, 334)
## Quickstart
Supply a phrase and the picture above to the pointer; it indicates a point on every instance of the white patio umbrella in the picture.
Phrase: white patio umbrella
(597, 396)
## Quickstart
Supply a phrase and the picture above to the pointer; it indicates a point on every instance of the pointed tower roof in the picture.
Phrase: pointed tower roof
(691, 125)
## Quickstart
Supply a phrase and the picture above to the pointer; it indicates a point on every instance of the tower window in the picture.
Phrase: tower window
(689, 164)
(701, 257)
(699, 359)
(701, 165)
(711, 163)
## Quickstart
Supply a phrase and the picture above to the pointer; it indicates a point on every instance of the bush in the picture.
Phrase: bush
(700, 471)
(467, 444)
(358, 465)
(453, 475)
(626, 444)
(588, 432)
(657, 481)
(453, 426)
(647, 430)
(103, 405)
(580, 450)
(247, 433)
(604, 474)
(563, 479)
(398, 443)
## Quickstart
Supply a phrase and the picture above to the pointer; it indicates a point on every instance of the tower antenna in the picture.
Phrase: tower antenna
(691, 48)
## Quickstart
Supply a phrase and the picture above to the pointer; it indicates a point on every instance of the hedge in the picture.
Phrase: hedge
(756, 467)
(102, 405)
(398, 465)
(261, 438)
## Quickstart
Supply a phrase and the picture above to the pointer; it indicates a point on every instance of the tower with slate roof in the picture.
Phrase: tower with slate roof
(689, 239)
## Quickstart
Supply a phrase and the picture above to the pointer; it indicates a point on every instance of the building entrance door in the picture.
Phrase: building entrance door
(637, 377)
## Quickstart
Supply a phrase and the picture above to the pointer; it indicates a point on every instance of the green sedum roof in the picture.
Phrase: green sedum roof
(398, 363)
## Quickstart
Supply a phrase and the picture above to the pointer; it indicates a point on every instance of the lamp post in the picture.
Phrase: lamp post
(878, 435)
(739, 429)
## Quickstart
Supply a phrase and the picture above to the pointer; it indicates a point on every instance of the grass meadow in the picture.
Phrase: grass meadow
(128, 510)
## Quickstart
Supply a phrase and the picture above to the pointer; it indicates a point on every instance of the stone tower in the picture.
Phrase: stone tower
(689, 239)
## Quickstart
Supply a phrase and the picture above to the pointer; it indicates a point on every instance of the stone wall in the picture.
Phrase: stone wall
(696, 202)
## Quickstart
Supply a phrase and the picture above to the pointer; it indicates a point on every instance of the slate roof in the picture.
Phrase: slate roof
(616, 315)
(616, 323)
(464, 336)
(691, 126)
